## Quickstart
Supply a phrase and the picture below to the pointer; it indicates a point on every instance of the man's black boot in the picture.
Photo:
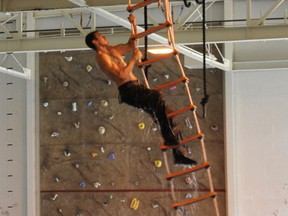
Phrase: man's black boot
(180, 159)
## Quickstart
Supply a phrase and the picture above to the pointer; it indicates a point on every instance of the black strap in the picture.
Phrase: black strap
(204, 100)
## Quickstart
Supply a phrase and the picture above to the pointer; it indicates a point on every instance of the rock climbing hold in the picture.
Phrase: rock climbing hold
(68, 58)
(59, 113)
(88, 68)
(110, 196)
(55, 134)
(173, 88)
(77, 124)
(141, 126)
(155, 204)
(104, 103)
(67, 153)
(166, 76)
(149, 148)
(82, 184)
(102, 149)
(94, 154)
(112, 156)
(74, 107)
(65, 83)
(90, 103)
(110, 117)
(188, 123)
(188, 180)
(134, 203)
(54, 197)
(97, 184)
(45, 104)
(158, 163)
(101, 130)
(45, 79)
(214, 127)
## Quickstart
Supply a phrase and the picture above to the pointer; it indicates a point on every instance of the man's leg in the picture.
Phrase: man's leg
(152, 102)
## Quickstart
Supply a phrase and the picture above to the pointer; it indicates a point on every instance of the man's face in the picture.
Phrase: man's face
(101, 40)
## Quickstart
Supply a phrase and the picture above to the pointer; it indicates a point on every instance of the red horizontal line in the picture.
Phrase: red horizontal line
(127, 190)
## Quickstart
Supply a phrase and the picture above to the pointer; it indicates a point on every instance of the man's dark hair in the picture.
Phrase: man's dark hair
(89, 38)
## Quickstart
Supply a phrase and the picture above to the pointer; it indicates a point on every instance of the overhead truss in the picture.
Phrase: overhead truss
(69, 26)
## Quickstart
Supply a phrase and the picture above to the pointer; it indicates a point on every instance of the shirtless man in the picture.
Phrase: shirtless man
(111, 62)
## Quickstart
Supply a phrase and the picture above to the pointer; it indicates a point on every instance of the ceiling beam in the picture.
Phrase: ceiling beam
(160, 39)
(187, 37)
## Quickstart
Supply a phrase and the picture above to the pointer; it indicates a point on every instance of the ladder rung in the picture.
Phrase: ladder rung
(182, 79)
(140, 5)
(177, 112)
(186, 171)
(198, 136)
(191, 201)
(151, 30)
(149, 61)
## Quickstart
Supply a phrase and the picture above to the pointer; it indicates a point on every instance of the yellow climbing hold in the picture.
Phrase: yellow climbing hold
(158, 163)
(104, 103)
(141, 125)
(134, 203)
(94, 154)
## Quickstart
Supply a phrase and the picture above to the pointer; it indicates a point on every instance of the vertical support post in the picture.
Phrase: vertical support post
(93, 21)
(19, 24)
(248, 22)
(33, 179)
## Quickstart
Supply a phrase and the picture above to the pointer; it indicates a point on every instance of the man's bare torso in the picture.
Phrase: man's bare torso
(112, 63)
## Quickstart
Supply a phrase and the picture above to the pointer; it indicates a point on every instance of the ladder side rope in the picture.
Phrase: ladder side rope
(172, 41)
(199, 131)
(134, 32)
(172, 181)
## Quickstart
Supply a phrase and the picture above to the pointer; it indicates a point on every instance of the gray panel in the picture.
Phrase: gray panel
(12, 145)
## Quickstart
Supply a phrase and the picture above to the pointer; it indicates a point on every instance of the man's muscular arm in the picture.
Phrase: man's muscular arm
(130, 65)
(113, 68)
(130, 45)
(124, 48)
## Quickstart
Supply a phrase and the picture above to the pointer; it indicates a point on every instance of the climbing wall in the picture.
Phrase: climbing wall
(102, 158)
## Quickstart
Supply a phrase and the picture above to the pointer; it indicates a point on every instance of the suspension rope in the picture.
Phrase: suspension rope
(146, 42)
(204, 100)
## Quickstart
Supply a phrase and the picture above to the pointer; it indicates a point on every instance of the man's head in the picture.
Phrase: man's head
(94, 39)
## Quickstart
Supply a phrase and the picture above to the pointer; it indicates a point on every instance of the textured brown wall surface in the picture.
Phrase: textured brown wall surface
(67, 181)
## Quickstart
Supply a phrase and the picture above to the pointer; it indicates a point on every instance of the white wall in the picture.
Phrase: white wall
(12, 148)
(19, 146)
(257, 171)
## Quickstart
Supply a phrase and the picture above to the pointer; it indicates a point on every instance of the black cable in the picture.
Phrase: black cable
(204, 100)
(187, 4)
(146, 41)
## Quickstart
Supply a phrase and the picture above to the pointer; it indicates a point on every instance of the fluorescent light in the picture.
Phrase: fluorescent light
(161, 50)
